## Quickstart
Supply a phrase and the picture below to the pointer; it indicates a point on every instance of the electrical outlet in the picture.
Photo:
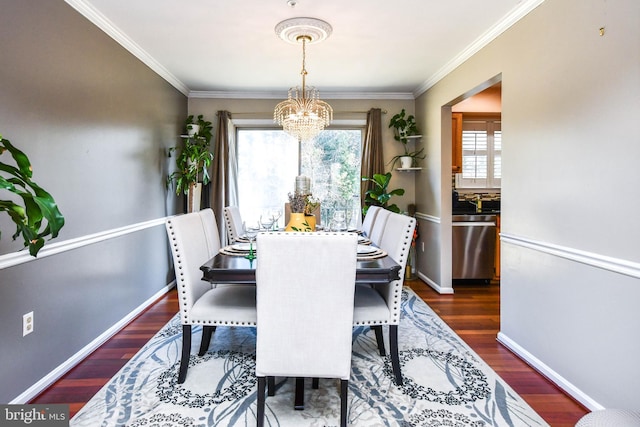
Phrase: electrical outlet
(27, 323)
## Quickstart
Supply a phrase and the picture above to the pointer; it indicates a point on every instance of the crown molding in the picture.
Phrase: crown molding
(114, 32)
(487, 37)
(89, 12)
(222, 94)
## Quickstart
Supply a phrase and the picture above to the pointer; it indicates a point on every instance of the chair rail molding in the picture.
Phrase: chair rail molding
(621, 266)
(17, 258)
(429, 218)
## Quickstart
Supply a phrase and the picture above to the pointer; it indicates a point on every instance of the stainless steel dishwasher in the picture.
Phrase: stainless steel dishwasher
(474, 246)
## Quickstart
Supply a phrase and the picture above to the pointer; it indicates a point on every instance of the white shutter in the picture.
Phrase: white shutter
(481, 155)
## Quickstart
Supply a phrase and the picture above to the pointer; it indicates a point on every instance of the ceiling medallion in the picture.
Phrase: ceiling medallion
(290, 30)
(303, 114)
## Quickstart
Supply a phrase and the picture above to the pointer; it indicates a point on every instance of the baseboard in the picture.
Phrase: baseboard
(549, 373)
(434, 285)
(70, 363)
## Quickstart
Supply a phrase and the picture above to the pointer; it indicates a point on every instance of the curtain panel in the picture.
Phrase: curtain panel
(372, 159)
(223, 187)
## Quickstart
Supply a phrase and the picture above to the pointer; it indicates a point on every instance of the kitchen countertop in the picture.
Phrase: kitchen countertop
(474, 212)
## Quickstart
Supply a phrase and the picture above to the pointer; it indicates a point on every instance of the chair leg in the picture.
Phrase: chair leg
(395, 358)
(271, 386)
(260, 414)
(344, 385)
(186, 352)
(298, 404)
(379, 339)
(207, 332)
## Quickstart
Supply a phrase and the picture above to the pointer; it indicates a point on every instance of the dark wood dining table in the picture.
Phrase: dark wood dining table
(224, 268)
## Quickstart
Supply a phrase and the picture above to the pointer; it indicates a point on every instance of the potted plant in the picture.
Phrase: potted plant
(300, 204)
(405, 126)
(39, 215)
(198, 127)
(380, 195)
(192, 161)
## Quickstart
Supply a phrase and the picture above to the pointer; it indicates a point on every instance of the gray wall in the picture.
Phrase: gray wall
(570, 260)
(96, 123)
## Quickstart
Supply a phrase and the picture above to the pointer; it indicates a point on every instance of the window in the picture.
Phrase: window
(268, 164)
(481, 154)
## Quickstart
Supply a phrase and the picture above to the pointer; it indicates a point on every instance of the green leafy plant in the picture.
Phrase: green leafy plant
(193, 159)
(205, 127)
(416, 155)
(40, 216)
(405, 126)
(380, 195)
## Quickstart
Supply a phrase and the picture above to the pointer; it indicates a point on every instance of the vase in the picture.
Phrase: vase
(311, 220)
(406, 162)
(298, 222)
(193, 197)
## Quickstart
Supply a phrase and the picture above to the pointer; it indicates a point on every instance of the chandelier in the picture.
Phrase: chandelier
(303, 114)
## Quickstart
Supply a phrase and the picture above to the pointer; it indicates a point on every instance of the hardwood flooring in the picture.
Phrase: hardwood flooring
(473, 312)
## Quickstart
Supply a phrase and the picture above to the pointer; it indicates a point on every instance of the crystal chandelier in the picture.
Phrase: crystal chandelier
(303, 114)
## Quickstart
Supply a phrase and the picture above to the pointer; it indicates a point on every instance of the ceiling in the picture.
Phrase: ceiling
(381, 48)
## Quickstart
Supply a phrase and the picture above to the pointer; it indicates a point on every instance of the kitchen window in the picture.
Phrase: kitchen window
(481, 154)
(268, 162)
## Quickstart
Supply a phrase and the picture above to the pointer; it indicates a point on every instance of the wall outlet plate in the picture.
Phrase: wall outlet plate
(27, 323)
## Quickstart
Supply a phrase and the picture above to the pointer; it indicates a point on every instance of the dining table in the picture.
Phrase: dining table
(233, 269)
(223, 268)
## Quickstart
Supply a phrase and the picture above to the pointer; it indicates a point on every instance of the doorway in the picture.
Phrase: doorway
(476, 164)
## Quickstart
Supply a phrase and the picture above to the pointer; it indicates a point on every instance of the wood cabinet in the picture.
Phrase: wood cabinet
(456, 142)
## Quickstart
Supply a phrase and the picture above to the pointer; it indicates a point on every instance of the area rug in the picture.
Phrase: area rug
(445, 384)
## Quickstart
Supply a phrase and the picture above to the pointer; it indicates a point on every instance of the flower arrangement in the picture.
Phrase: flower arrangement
(298, 202)
(311, 204)
(303, 203)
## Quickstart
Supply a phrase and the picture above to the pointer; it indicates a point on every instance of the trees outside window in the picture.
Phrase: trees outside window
(268, 164)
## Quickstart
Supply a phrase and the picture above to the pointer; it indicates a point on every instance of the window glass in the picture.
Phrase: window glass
(481, 154)
(268, 164)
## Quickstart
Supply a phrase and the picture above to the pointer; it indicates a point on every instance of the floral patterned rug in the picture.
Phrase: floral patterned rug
(445, 384)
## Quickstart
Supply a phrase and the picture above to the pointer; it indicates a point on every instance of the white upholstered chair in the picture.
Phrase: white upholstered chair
(369, 219)
(233, 223)
(378, 228)
(305, 282)
(379, 305)
(194, 239)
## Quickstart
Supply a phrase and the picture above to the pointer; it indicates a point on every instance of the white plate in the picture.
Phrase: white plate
(364, 249)
(240, 246)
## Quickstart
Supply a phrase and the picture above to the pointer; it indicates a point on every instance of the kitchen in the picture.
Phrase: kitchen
(476, 172)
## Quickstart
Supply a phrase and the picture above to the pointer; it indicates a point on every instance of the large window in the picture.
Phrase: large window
(481, 154)
(268, 162)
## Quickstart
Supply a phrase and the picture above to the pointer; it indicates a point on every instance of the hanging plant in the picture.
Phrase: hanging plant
(38, 217)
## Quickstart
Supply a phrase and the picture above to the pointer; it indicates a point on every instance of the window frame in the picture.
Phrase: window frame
(358, 126)
(490, 125)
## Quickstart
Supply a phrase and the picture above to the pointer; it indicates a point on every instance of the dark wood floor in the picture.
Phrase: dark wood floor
(473, 312)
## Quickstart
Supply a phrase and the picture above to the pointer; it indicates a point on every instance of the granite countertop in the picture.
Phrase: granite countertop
(465, 207)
